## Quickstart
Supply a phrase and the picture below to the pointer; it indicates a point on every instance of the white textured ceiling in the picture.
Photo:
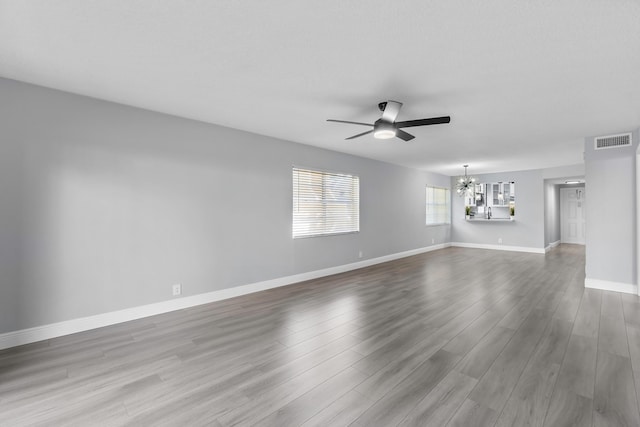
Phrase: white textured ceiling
(523, 81)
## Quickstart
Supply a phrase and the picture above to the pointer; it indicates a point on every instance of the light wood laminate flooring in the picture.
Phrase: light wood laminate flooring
(454, 337)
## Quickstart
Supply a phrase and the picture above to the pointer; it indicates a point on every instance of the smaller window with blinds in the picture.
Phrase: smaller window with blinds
(438, 206)
(325, 203)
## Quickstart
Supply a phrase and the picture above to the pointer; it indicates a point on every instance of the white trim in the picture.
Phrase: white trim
(499, 247)
(551, 246)
(606, 285)
(44, 332)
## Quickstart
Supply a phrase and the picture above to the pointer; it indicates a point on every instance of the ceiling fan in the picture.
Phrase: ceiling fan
(386, 126)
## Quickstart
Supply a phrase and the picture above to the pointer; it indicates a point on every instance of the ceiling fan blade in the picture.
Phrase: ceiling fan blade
(424, 122)
(404, 135)
(360, 134)
(346, 121)
(391, 111)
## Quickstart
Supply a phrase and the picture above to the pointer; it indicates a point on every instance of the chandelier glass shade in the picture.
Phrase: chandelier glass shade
(465, 184)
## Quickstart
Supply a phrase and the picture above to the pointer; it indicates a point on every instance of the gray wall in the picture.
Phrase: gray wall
(10, 225)
(528, 228)
(551, 213)
(104, 206)
(611, 212)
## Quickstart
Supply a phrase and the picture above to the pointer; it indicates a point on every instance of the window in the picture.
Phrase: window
(438, 206)
(325, 203)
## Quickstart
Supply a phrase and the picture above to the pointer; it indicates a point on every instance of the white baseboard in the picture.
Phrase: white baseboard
(499, 247)
(44, 332)
(551, 246)
(605, 285)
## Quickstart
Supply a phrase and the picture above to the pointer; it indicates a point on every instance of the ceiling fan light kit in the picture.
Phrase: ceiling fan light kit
(386, 126)
(383, 130)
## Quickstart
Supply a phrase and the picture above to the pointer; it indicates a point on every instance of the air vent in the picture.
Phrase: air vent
(613, 141)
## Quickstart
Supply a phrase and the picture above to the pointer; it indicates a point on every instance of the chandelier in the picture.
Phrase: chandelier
(464, 185)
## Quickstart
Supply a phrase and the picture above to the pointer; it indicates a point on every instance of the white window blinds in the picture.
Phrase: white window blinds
(325, 203)
(438, 206)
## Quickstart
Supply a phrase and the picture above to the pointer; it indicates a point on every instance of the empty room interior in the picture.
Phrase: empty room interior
(243, 213)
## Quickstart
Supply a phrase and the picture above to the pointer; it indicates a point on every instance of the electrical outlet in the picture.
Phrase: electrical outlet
(499, 240)
(176, 289)
(433, 241)
(360, 254)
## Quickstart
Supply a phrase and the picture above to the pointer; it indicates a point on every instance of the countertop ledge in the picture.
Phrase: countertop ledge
(490, 220)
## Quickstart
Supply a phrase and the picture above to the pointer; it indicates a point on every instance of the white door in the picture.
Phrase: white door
(572, 215)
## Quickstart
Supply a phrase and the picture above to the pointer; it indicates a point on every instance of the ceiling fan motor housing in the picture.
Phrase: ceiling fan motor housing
(383, 124)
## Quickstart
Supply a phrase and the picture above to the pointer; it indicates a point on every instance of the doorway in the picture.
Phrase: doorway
(572, 215)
